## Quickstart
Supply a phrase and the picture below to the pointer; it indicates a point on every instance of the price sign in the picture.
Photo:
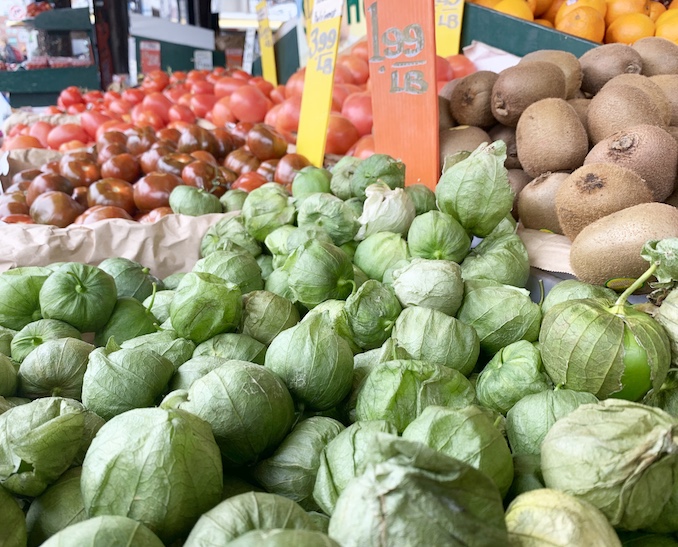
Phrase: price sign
(150, 56)
(308, 12)
(449, 15)
(401, 44)
(316, 102)
(266, 45)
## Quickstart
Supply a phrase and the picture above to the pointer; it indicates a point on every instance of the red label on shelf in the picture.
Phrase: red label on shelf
(402, 48)
(150, 56)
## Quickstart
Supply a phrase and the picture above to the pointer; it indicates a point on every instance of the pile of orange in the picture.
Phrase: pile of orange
(602, 21)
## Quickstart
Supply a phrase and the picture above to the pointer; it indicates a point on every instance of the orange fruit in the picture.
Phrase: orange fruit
(673, 4)
(629, 28)
(550, 13)
(486, 3)
(656, 9)
(668, 30)
(516, 8)
(667, 16)
(615, 8)
(544, 22)
(542, 6)
(585, 22)
(570, 5)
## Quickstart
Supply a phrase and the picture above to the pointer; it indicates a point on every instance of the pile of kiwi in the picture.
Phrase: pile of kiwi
(592, 146)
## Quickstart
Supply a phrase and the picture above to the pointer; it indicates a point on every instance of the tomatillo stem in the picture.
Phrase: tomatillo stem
(637, 284)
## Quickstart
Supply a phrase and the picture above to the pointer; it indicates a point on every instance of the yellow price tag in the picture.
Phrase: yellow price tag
(316, 102)
(308, 12)
(266, 45)
(449, 16)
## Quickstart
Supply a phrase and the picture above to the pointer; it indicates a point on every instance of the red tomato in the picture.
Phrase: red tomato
(196, 75)
(278, 94)
(249, 181)
(216, 73)
(150, 118)
(112, 191)
(264, 86)
(295, 83)
(272, 115)
(55, 208)
(93, 96)
(180, 112)
(53, 110)
(20, 142)
(76, 108)
(112, 125)
(153, 190)
(343, 75)
(101, 212)
(221, 113)
(364, 148)
(154, 215)
(133, 95)
(357, 109)
(444, 72)
(156, 80)
(64, 133)
(120, 107)
(341, 135)
(91, 121)
(226, 85)
(357, 66)
(17, 219)
(202, 103)
(71, 95)
(288, 117)
(360, 50)
(176, 91)
(249, 104)
(461, 65)
(110, 96)
(158, 103)
(177, 76)
(239, 73)
(199, 87)
(18, 129)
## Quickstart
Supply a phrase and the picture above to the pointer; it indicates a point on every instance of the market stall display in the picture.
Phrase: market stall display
(206, 340)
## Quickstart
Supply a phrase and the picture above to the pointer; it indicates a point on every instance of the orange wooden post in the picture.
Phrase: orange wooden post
(402, 48)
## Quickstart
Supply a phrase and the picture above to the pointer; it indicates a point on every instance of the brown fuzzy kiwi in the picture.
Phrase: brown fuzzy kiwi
(597, 190)
(617, 108)
(537, 202)
(517, 179)
(655, 92)
(673, 198)
(523, 84)
(565, 61)
(507, 134)
(602, 63)
(470, 100)
(445, 120)
(462, 137)
(550, 137)
(673, 131)
(610, 247)
(660, 56)
(646, 149)
(669, 84)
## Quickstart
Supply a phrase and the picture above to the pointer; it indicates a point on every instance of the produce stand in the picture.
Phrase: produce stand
(41, 87)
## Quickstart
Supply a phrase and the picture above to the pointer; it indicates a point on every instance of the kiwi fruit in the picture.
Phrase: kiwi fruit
(669, 84)
(445, 120)
(565, 61)
(507, 134)
(610, 247)
(594, 191)
(673, 131)
(619, 107)
(537, 202)
(655, 92)
(519, 86)
(550, 137)
(673, 198)
(517, 179)
(648, 150)
(600, 64)
(659, 55)
(470, 100)
(462, 137)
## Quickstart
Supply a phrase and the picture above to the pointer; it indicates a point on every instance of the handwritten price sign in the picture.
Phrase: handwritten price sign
(316, 102)
(268, 67)
(401, 43)
(449, 15)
